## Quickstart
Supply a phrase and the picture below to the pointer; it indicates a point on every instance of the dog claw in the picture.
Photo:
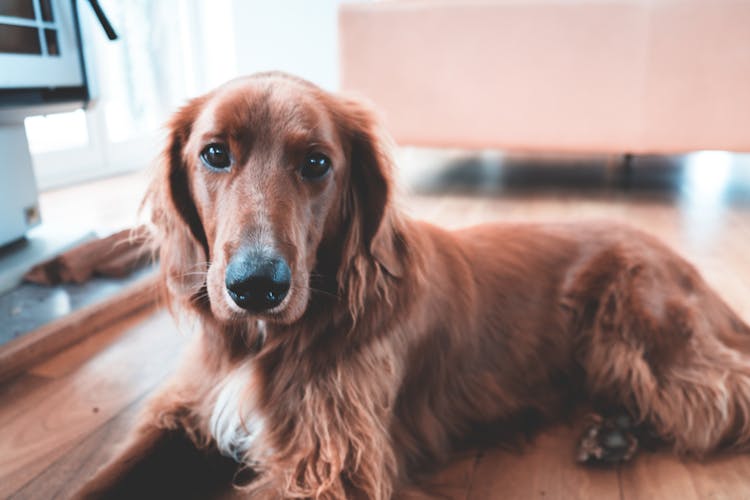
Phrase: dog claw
(607, 440)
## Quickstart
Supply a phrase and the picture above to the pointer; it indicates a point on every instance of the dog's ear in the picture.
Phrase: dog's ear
(181, 240)
(371, 186)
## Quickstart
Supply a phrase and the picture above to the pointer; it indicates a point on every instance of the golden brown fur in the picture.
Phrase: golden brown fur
(401, 341)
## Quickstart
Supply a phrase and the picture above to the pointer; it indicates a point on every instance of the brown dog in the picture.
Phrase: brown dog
(345, 347)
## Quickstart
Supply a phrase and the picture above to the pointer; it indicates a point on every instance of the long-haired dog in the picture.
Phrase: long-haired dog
(345, 347)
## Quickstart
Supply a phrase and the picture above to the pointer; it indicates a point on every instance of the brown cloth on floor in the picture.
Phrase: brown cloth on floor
(114, 256)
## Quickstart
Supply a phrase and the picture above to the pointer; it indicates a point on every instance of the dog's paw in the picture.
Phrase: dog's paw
(607, 440)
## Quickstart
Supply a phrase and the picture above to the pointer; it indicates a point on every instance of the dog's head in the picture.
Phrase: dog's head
(261, 180)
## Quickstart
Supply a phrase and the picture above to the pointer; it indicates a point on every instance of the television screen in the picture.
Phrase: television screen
(40, 56)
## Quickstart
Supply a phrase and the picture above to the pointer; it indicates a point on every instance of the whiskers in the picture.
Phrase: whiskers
(197, 274)
(194, 273)
(201, 294)
(315, 290)
(197, 268)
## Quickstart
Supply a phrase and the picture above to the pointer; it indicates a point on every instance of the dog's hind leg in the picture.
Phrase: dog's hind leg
(608, 438)
(658, 341)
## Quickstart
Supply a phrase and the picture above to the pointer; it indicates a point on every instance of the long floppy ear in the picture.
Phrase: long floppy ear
(373, 247)
(182, 246)
(369, 200)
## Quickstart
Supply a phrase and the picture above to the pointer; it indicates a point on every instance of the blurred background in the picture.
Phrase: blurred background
(607, 78)
(629, 110)
(500, 109)
(600, 83)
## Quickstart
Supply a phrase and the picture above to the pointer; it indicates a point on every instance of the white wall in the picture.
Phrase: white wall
(190, 47)
(297, 36)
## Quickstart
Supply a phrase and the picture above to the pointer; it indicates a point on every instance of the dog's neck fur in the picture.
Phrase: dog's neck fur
(327, 383)
(334, 322)
(328, 328)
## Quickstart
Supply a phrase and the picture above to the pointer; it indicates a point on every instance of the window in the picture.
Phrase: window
(158, 62)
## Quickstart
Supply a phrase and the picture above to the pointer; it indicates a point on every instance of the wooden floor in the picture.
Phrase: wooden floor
(61, 419)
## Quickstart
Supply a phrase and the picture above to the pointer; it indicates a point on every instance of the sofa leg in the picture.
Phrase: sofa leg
(626, 175)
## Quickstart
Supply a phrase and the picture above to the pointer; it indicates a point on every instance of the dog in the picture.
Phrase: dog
(345, 348)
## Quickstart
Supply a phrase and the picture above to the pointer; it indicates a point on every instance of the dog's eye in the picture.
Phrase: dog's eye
(315, 166)
(216, 155)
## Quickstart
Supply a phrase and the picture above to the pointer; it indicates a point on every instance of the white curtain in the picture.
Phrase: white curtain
(168, 51)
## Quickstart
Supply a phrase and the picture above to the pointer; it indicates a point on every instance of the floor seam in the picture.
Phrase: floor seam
(477, 458)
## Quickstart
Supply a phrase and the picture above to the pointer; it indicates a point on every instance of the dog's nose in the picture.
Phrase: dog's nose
(257, 283)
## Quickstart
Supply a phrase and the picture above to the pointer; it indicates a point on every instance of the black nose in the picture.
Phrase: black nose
(257, 283)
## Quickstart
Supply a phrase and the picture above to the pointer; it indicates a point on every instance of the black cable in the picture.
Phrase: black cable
(102, 17)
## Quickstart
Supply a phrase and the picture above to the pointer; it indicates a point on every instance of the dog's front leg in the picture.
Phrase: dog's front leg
(129, 470)
(167, 455)
(159, 462)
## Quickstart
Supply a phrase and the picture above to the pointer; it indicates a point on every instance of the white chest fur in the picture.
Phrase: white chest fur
(235, 422)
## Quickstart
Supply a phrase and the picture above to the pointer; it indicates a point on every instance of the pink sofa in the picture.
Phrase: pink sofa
(603, 76)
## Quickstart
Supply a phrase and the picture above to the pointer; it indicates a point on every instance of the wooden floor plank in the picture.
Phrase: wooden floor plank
(73, 357)
(70, 471)
(450, 482)
(545, 469)
(655, 476)
(720, 477)
(46, 423)
(20, 354)
(661, 475)
(13, 393)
